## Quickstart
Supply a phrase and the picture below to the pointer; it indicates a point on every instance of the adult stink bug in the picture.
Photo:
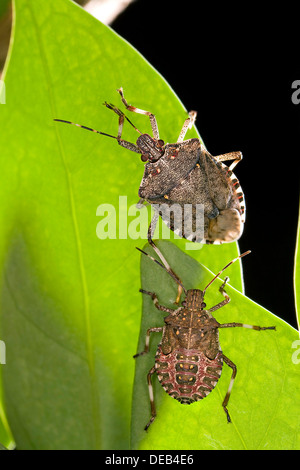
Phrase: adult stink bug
(189, 359)
(185, 174)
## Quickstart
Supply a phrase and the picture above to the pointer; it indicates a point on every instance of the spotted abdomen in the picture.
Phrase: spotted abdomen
(188, 375)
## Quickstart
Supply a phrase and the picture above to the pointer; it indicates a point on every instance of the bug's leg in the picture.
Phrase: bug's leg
(226, 399)
(244, 325)
(152, 118)
(155, 301)
(151, 396)
(151, 231)
(122, 142)
(151, 372)
(171, 273)
(142, 203)
(122, 116)
(147, 341)
(188, 124)
(219, 305)
(236, 156)
(235, 324)
(224, 293)
(222, 289)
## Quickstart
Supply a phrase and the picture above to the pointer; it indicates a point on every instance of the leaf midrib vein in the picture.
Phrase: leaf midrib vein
(90, 357)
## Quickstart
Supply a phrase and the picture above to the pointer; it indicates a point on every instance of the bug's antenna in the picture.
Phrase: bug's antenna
(227, 265)
(87, 128)
(173, 275)
(121, 115)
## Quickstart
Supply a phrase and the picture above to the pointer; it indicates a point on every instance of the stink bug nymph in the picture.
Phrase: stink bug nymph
(189, 359)
(185, 173)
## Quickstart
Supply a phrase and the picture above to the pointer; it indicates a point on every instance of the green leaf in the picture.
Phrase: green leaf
(70, 306)
(263, 405)
(5, 434)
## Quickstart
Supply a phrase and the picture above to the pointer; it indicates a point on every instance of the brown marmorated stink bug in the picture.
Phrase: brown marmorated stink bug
(189, 359)
(184, 174)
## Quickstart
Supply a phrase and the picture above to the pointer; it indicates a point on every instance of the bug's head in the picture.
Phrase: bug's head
(194, 299)
(151, 149)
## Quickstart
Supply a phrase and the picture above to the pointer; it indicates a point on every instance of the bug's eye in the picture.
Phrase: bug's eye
(183, 303)
(203, 305)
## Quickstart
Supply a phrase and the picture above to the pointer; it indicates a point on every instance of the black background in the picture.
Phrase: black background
(236, 66)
